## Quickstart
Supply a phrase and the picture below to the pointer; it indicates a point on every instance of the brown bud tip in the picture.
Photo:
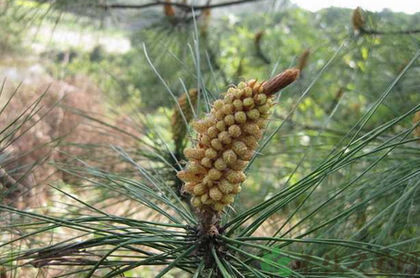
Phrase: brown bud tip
(280, 81)
(258, 36)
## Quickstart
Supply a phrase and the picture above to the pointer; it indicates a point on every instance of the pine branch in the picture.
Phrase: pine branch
(179, 5)
(377, 32)
(210, 217)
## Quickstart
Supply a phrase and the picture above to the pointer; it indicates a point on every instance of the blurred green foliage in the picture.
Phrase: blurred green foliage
(224, 48)
(227, 54)
(363, 68)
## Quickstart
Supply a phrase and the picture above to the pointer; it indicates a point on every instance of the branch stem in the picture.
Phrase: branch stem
(377, 32)
(179, 5)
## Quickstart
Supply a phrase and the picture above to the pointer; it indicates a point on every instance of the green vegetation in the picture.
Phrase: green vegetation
(332, 191)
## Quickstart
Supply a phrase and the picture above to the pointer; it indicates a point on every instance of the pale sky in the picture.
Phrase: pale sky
(407, 6)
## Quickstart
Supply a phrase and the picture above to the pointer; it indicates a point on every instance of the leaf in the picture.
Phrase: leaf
(365, 53)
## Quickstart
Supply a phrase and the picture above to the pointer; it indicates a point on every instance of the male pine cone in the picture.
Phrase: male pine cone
(303, 60)
(358, 19)
(228, 137)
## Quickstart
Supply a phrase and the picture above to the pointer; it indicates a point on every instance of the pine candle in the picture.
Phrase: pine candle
(227, 139)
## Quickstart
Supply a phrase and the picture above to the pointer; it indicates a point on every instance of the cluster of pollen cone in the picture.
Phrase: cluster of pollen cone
(227, 139)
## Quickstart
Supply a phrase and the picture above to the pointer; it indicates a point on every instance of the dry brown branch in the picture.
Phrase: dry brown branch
(399, 32)
(8, 181)
(179, 5)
